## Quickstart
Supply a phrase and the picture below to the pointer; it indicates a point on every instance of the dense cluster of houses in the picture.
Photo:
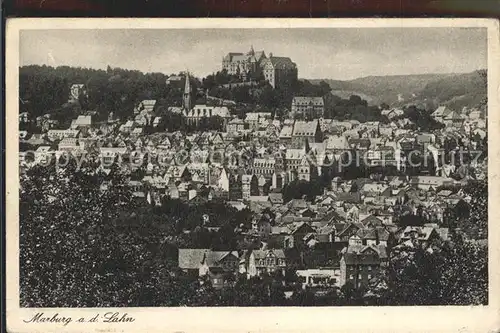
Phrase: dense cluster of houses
(349, 234)
(350, 227)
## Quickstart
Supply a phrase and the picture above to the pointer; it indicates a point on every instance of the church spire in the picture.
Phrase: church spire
(186, 98)
(187, 86)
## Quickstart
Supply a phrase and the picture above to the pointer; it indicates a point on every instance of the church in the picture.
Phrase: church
(194, 113)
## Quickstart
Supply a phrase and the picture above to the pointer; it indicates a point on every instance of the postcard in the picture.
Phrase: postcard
(252, 175)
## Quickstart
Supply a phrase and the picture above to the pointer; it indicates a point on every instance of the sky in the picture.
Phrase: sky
(320, 53)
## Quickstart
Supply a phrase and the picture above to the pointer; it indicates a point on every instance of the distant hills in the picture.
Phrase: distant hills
(454, 90)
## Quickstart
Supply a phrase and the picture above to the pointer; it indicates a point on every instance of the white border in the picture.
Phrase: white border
(324, 319)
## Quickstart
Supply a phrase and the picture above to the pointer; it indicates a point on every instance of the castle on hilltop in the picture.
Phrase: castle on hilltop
(278, 71)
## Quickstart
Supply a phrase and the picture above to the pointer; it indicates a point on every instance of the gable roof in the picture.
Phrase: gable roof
(348, 197)
(360, 143)
(193, 258)
(305, 128)
(454, 116)
(428, 180)
(297, 204)
(372, 220)
(373, 233)
(260, 254)
(280, 62)
(276, 197)
(441, 111)
(361, 259)
(83, 121)
(286, 131)
(378, 250)
(296, 226)
(337, 142)
(301, 100)
(423, 233)
(295, 153)
(348, 226)
(374, 187)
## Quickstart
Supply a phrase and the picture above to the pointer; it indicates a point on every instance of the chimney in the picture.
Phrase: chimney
(270, 54)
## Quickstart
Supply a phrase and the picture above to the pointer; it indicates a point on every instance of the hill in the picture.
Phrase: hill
(345, 94)
(455, 90)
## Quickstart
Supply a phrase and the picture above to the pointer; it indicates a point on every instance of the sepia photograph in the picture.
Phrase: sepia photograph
(251, 166)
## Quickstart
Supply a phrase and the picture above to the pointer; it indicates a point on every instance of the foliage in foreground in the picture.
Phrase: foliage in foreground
(84, 247)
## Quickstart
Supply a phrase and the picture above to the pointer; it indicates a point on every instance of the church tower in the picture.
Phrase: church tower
(186, 98)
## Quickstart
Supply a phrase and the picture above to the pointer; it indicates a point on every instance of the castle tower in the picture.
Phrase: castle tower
(186, 98)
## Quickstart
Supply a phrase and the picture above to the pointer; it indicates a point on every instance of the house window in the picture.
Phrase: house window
(369, 268)
(351, 277)
(369, 276)
(359, 277)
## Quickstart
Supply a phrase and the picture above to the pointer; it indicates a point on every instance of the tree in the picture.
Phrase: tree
(301, 188)
(411, 220)
(421, 117)
(351, 165)
(409, 279)
(251, 292)
(464, 277)
(472, 217)
(80, 246)
(350, 294)
(303, 298)
(62, 212)
(113, 90)
(453, 273)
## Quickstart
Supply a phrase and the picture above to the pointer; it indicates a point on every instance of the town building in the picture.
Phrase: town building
(308, 107)
(54, 134)
(319, 277)
(454, 119)
(235, 125)
(175, 81)
(255, 119)
(199, 112)
(82, 123)
(264, 166)
(146, 106)
(218, 266)
(440, 113)
(77, 90)
(280, 72)
(361, 263)
(249, 186)
(70, 145)
(305, 132)
(259, 262)
(24, 117)
(245, 65)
